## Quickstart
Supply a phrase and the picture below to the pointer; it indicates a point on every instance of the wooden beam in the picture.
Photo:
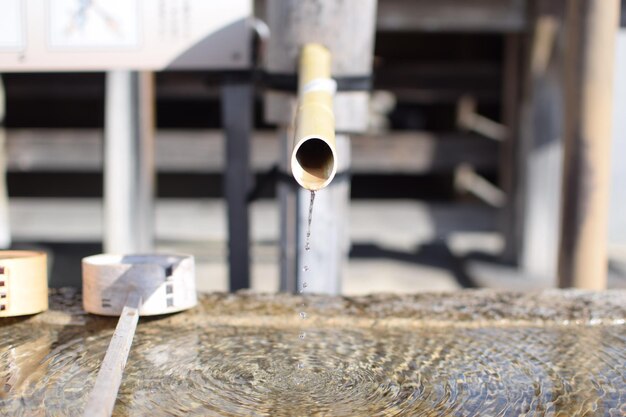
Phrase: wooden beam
(444, 15)
(452, 15)
(202, 151)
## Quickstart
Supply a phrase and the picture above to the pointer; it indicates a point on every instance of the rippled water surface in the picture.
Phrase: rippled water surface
(182, 366)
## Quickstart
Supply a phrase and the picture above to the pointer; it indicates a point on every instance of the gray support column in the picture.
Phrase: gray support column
(288, 209)
(129, 173)
(5, 231)
(540, 151)
(591, 27)
(508, 162)
(237, 122)
(329, 241)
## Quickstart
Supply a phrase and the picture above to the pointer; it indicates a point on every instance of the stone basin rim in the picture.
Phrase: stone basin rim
(459, 309)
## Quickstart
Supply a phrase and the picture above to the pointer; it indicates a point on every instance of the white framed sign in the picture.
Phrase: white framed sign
(83, 35)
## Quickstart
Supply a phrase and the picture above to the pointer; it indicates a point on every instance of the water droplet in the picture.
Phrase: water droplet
(302, 315)
(304, 285)
(302, 335)
(307, 247)
(305, 268)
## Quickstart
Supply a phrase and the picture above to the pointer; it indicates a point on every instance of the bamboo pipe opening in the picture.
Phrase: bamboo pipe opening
(313, 161)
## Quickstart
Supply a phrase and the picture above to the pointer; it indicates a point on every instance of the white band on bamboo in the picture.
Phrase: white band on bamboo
(320, 84)
(23, 283)
(165, 283)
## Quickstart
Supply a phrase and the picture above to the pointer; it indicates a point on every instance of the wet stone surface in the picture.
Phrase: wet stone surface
(470, 353)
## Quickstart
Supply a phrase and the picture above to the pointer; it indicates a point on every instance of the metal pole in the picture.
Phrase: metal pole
(5, 231)
(237, 121)
(591, 30)
(129, 173)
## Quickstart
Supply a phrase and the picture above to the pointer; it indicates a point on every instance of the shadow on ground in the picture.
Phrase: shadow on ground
(433, 254)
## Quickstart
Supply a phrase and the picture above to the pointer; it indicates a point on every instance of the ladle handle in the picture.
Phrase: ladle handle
(102, 398)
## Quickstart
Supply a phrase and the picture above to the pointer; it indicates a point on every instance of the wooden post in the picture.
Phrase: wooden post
(617, 219)
(591, 27)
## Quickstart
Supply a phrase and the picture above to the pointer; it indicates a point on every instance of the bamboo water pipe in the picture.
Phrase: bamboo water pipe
(314, 158)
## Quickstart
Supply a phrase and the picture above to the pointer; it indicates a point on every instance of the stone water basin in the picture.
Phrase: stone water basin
(467, 353)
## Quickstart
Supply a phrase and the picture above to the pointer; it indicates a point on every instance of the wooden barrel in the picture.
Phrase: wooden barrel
(23, 283)
(165, 283)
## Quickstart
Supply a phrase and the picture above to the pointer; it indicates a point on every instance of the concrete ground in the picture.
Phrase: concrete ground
(397, 245)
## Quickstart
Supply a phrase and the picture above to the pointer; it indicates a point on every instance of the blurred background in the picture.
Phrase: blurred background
(455, 183)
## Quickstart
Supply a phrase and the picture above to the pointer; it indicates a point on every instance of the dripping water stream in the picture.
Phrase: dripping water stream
(306, 268)
(307, 243)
